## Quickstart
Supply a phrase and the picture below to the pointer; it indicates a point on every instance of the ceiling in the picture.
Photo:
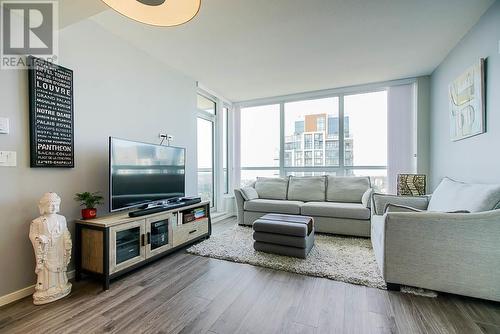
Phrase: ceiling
(252, 49)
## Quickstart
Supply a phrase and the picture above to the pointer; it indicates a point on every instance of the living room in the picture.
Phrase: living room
(239, 166)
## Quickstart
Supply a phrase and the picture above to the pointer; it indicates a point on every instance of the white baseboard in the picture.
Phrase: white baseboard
(20, 294)
(221, 217)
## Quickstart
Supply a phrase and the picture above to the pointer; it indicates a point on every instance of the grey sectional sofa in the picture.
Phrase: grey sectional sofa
(339, 205)
(448, 242)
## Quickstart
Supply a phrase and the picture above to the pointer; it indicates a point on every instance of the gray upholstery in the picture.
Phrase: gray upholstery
(399, 208)
(346, 188)
(380, 201)
(289, 235)
(307, 188)
(249, 193)
(272, 188)
(238, 196)
(285, 250)
(451, 252)
(337, 210)
(268, 225)
(452, 195)
(366, 199)
(332, 225)
(273, 205)
(286, 240)
(348, 218)
(344, 226)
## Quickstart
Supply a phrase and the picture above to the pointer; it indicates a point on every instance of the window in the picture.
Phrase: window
(249, 176)
(205, 104)
(205, 160)
(337, 135)
(260, 136)
(314, 120)
(225, 149)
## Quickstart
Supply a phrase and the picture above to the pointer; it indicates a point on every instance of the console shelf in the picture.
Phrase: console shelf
(113, 245)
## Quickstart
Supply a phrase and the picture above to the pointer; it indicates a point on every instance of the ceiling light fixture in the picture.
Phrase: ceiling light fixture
(162, 13)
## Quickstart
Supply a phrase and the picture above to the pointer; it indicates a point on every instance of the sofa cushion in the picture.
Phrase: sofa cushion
(451, 195)
(307, 188)
(273, 205)
(249, 193)
(271, 188)
(336, 210)
(349, 189)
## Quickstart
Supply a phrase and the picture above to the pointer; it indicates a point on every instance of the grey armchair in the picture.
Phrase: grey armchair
(450, 252)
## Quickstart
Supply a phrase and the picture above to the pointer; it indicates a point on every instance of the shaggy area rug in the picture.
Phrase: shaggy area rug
(345, 259)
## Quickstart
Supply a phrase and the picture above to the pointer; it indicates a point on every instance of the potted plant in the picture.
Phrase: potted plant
(89, 200)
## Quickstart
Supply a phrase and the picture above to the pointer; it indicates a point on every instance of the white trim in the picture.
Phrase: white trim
(25, 292)
(221, 217)
(212, 93)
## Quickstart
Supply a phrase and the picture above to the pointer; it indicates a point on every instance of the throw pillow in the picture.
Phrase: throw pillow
(452, 196)
(249, 193)
(272, 188)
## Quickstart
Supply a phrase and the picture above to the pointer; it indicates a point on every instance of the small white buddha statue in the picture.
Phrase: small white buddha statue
(52, 244)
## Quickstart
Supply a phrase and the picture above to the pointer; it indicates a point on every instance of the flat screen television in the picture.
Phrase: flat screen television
(141, 173)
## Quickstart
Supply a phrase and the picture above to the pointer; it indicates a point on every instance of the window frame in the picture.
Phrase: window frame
(218, 145)
(340, 169)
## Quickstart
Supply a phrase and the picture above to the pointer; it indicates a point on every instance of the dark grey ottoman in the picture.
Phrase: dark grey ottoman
(288, 235)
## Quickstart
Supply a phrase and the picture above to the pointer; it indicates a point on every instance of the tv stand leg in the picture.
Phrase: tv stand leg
(105, 284)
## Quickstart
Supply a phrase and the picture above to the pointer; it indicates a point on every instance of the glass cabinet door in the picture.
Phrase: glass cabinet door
(158, 234)
(126, 245)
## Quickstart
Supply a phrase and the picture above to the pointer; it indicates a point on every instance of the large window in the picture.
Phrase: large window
(206, 139)
(205, 160)
(337, 135)
(225, 149)
(260, 142)
(313, 125)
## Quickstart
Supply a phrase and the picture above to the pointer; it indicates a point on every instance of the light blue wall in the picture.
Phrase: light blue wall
(475, 159)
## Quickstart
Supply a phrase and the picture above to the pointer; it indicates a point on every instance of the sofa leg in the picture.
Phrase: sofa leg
(393, 286)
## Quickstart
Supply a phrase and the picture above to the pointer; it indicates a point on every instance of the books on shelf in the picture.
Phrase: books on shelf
(189, 216)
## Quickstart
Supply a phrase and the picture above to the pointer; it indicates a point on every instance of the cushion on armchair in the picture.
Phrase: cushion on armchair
(453, 196)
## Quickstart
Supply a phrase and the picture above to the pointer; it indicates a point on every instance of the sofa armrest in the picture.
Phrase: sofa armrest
(240, 202)
(450, 252)
(380, 201)
(366, 200)
(390, 208)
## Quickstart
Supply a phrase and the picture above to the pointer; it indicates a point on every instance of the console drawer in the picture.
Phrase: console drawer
(189, 231)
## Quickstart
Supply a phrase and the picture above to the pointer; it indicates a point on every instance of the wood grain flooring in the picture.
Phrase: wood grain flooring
(184, 293)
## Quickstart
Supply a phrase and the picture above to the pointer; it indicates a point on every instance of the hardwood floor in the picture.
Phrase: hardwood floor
(184, 293)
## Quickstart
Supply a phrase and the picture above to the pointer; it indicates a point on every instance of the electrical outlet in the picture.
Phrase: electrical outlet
(4, 125)
(8, 159)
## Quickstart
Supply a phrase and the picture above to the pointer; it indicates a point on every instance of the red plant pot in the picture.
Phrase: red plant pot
(89, 213)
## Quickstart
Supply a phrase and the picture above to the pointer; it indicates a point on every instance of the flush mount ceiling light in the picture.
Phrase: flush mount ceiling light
(163, 13)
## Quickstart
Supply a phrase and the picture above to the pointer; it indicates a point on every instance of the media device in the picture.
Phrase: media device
(145, 175)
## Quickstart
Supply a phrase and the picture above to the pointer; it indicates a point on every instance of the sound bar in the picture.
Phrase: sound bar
(161, 208)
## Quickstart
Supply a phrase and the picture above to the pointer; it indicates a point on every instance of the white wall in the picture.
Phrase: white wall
(474, 159)
(119, 91)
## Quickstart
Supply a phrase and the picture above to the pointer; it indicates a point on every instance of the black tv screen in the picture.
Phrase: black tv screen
(141, 173)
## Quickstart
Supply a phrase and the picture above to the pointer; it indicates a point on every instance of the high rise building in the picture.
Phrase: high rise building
(315, 142)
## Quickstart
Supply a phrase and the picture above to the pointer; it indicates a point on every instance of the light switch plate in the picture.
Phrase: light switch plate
(8, 159)
(4, 125)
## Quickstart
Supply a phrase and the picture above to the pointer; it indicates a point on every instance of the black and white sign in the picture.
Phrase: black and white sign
(51, 115)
